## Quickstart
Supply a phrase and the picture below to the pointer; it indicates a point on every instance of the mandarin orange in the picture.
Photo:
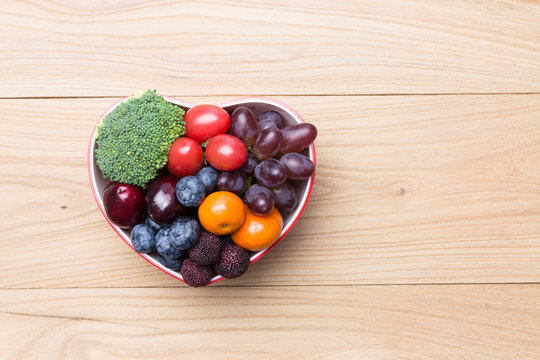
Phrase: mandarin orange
(221, 213)
(258, 232)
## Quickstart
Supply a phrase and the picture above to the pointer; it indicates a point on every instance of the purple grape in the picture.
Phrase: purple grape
(259, 199)
(285, 198)
(270, 173)
(244, 125)
(271, 116)
(296, 138)
(234, 181)
(250, 164)
(268, 143)
(265, 124)
(299, 167)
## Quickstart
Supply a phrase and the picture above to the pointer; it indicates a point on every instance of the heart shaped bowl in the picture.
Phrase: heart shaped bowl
(258, 105)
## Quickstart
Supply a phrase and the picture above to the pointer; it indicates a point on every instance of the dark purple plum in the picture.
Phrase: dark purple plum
(161, 202)
(124, 204)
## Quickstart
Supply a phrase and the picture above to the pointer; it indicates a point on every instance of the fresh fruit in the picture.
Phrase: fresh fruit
(270, 173)
(221, 213)
(225, 240)
(173, 264)
(190, 191)
(299, 167)
(233, 263)
(153, 225)
(195, 275)
(265, 124)
(184, 232)
(226, 229)
(285, 198)
(164, 244)
(268, 143)
(297, 137)
(185, 157)
(250, 164)
(205, 121)
(134, 139)
(206, 250)
(124, 204)
(259, 199)
(161, 202)
(226, 152)
(258, 232)
(244, 125)
(143, 238)
(234, 181)
(208, 175)
(271, 116)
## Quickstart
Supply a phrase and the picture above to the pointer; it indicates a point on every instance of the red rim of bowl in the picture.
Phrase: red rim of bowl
(175, 101)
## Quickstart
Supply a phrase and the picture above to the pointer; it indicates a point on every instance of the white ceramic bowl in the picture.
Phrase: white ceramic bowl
(258, 105)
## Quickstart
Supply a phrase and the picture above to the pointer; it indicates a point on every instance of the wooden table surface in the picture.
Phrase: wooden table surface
(422, 236)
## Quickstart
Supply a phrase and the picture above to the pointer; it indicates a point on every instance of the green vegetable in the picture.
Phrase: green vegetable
(134, 139)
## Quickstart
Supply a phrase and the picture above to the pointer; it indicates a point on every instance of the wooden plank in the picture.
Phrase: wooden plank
(366, 322)
(95, 48)
(409, 189)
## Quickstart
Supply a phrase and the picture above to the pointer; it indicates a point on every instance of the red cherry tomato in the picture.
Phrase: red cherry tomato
(206, 121)
(226, 152)
(185, 157)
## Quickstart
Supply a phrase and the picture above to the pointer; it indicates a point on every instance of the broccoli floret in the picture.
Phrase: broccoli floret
(134, 139)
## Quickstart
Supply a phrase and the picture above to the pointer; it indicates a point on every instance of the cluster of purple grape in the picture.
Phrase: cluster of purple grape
(273, 161)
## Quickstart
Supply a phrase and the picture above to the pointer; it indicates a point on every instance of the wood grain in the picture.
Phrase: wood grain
(422, 236)
(109, 47)
(367, 322)
(409, 189)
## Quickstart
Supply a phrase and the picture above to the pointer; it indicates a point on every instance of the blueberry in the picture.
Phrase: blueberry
(190, 191)
(164, 244)
(208, 175)
(143, 238)
(173, 264)
(153, 225)
(226, 240)
(184, 232)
